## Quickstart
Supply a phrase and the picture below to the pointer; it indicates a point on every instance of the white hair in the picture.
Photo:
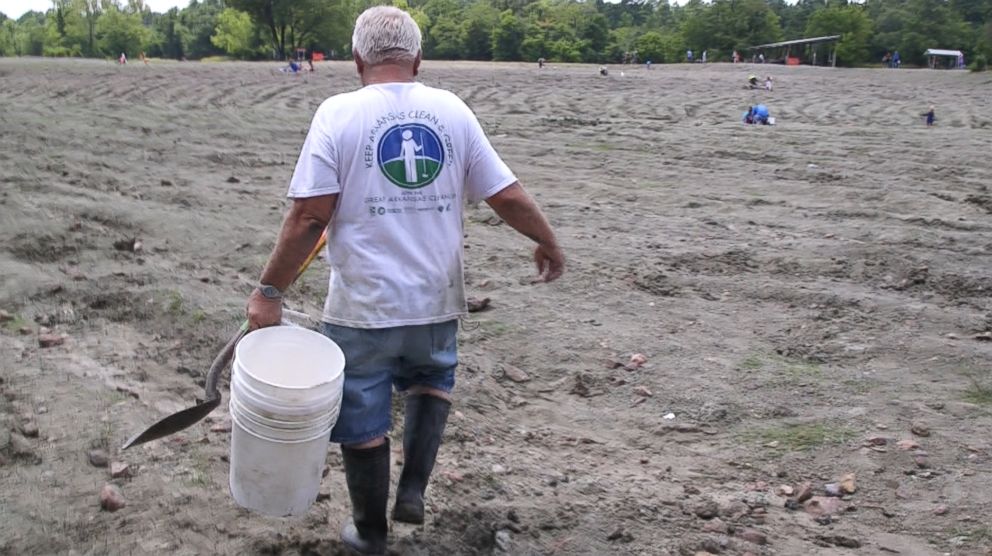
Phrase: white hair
(385, 34)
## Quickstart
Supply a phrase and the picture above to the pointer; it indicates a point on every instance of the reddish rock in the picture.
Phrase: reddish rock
(119, 469)
(716, 525)
(111, 499)
(643, 391)
(515, 374)
(50, 340)
(804, 493)
(940, 510)
(753, 536)
(907, 444)
(636, 361)
(920, 429)
(847, 483)
(223, 426)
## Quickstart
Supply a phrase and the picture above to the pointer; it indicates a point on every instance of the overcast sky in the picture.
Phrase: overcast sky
(16, 8)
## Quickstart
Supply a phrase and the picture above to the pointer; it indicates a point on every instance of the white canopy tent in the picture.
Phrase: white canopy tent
(956, 57)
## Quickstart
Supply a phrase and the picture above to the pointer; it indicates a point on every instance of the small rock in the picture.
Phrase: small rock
(922, 460)
(716, 525)
(832, 489)
(498, 469)
(166, 183)
(920, 429)
(785, 490)
(840, 540)
(233, 179)
(620, 534)
(50, 340)
(876, 441)
(822, 505)
(668, 416)
(753, 536)
(636, 361)
(848, 484)
(28, 428)
(111, 499)
(98, 458)
(42, 410)
(804, 493)
(707, 509)
(907, 444)
(223, 426)
(323, 494)
(119, 469)
(690, 489)
(25, 330)
(476, 305)
(515, 374)
(5, 316)
(643, 391)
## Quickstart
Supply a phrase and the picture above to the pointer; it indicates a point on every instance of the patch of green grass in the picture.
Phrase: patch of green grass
(857, 385)
(199, 316)
(752, 362)
(805, 436)
(782, 369)
(973, 535)
(15, 324)
(175, 304)
(980, 391)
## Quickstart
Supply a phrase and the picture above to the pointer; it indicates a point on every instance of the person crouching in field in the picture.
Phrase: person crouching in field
(397, 287)
(930, 116)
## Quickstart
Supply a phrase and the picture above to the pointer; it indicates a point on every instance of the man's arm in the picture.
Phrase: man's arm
(519, 210)
(301, 229)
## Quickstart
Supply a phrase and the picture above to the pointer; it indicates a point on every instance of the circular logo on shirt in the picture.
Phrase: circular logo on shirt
(410, 155)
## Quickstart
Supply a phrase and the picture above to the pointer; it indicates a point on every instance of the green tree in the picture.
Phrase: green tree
(854, 26)
(235, 34)
(727, 25)
(478, 23)
(29, 34)
(507, 37)
(120, 31)
(445, 39)
(299, 23)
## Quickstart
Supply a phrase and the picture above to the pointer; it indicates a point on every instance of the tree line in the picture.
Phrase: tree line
(505, 30)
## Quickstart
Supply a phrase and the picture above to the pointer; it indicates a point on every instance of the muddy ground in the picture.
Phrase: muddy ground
(806, 295)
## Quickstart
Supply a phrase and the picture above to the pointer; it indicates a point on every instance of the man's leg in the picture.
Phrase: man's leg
(428, 378)
(361, 428)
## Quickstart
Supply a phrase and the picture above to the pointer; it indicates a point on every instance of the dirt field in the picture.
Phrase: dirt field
(807, 296)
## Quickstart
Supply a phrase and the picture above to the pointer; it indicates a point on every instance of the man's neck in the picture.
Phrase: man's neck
(388, 73)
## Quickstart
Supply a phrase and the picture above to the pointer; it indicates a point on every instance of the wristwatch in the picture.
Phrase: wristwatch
(269, 292)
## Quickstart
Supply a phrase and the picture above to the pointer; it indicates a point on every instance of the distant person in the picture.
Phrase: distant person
(960, 61)
(896, 60)
(930, 116)
(603, 71)
(757, 115)
(540, 63)
(310, 61)
(647, 65)
(688, 55)
(703, 58)
(123, 59)
(144, 59)
(761, 58)
(736, 57)
(752, 81)
(887, 59)
(768, 83)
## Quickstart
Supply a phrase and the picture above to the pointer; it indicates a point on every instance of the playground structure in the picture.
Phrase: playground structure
(795, 52)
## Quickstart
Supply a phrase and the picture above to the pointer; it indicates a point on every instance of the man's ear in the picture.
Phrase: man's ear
(416, 63)
(359, 63)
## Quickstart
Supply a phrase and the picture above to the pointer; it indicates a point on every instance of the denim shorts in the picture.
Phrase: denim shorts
(376, 360)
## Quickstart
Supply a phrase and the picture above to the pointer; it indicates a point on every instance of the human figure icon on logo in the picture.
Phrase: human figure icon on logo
(409, 152)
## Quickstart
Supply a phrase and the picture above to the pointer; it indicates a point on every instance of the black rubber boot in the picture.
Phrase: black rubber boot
(367, 474)
(423, 429)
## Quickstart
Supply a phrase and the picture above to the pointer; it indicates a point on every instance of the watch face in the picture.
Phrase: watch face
(270, 291)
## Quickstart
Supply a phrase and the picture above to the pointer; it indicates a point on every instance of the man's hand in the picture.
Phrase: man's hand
(262, 311)
(550, 263)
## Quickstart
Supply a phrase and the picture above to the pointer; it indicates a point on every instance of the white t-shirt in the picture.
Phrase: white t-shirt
(403, 158)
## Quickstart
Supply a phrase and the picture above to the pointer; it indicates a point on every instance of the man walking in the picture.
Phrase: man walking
(395, 249)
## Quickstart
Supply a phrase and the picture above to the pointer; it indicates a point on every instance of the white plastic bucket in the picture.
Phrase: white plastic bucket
(285, 395)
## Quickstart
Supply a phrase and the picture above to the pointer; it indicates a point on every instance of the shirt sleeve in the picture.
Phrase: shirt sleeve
(316, 170)
(486, 174)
